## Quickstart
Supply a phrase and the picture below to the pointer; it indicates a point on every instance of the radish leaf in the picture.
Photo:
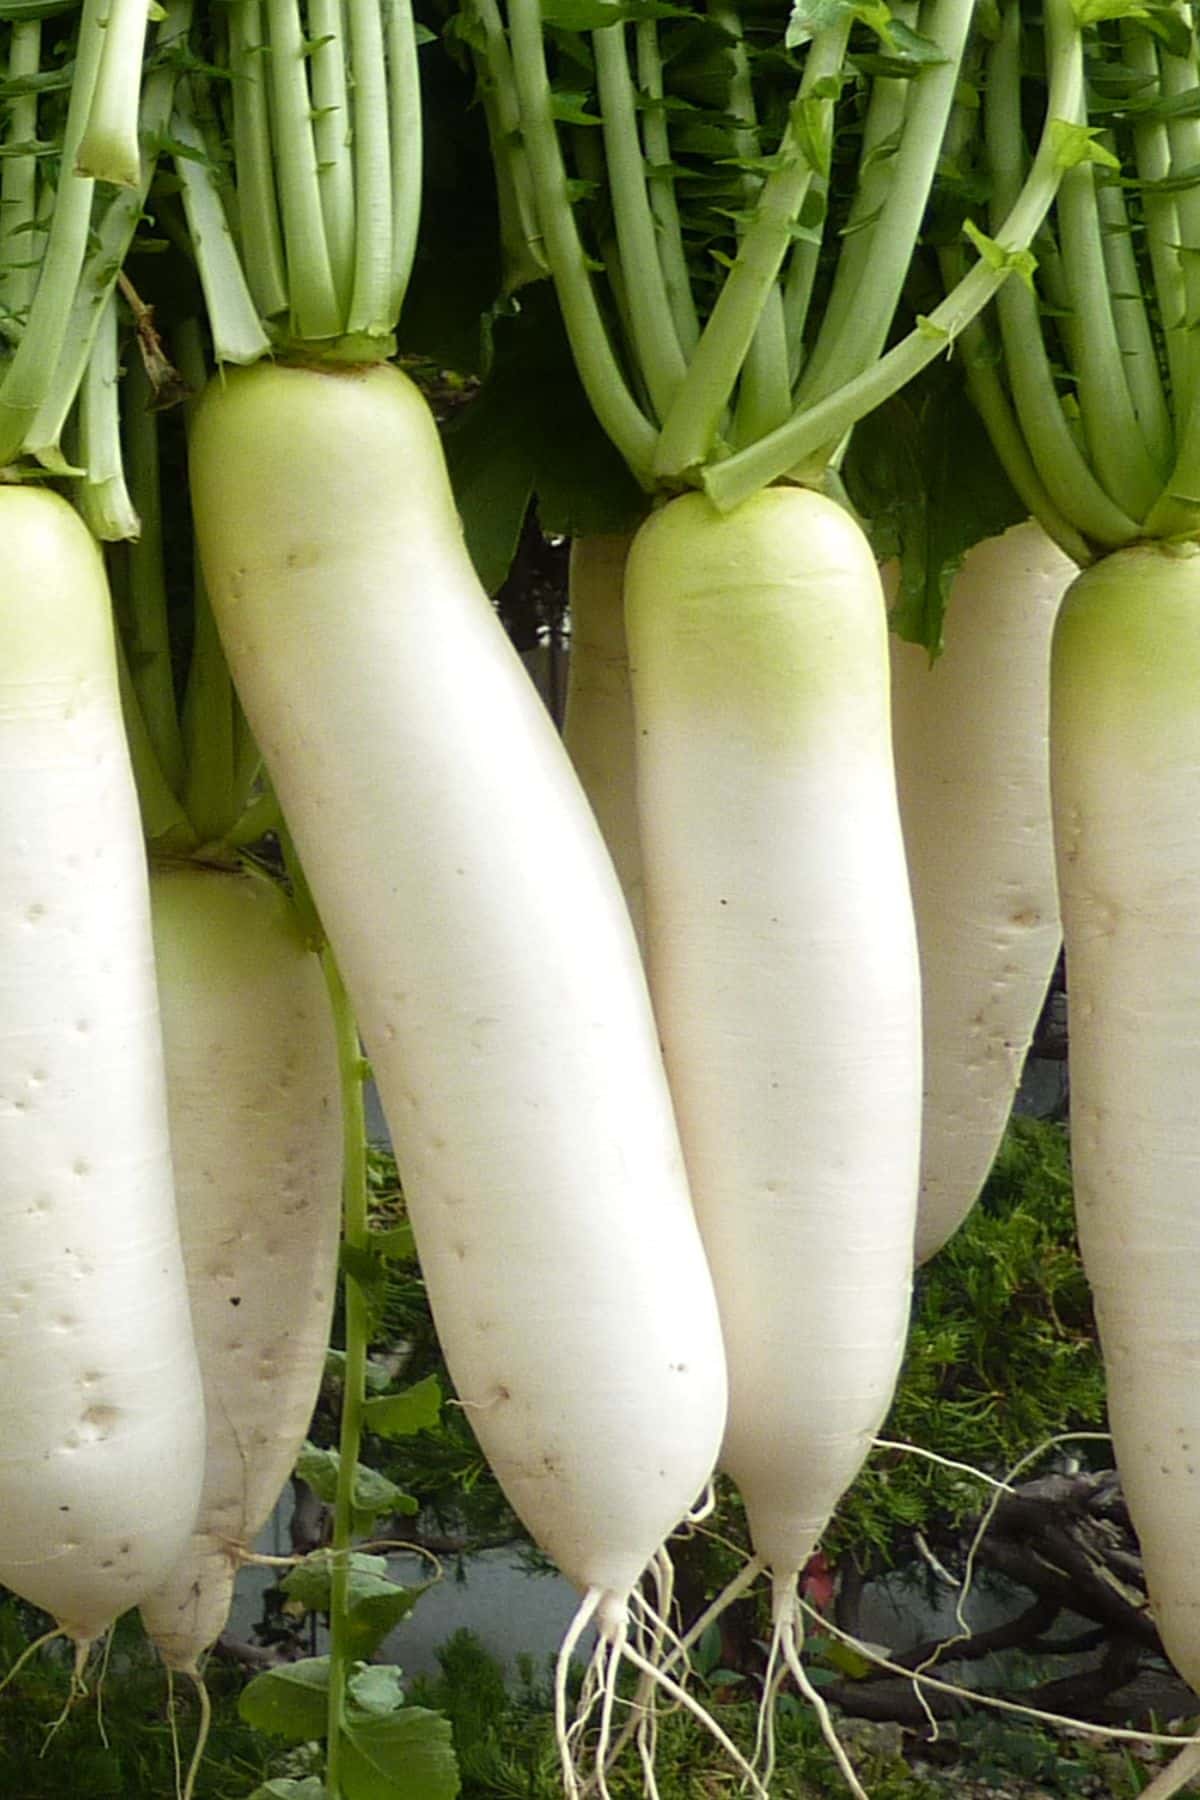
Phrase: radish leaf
(290, 1702)
(402, 1415)
(407, 1756)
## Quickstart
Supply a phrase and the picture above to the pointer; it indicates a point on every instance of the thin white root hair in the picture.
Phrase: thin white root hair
(606, 1709)
(590, 1691)
(640, 1721)
(575, 1630)
(648, 1633)
(781, 1674)
(262, 1559)
(943, 1462)
(733, 1590)
(649, 1778)
(645, 1702)
(653, 1631)
(1119, 1733)
(479, 1405)
(101, 1678)
(680, 1694)
(989, 1512)
(401, 1544)
(30, 1650)
(999, 1489)
(173, 1733)
(662, 1573)
(723, 1542)
(78, 1691)
(202, 1731)
(643, 1723)
(764, 1730)
(791, 1655)
(931, 1718)
(1169, 1780)
(643, 1651)
(933, 1560)
(655, 1623)
(705, 1505)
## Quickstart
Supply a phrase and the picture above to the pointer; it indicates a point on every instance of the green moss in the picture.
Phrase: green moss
(506, 1749)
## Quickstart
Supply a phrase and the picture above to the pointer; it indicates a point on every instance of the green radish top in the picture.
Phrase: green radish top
(197, 767)
(310, 249)
(727, 271)
(63, 241)
(1087, 377)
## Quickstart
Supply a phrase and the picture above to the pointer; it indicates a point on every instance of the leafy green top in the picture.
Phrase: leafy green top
(1088, 377)
(728, 202)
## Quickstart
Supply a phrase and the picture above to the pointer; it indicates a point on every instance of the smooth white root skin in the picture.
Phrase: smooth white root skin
(256, 1138)
(973, 776)
(598, 720)
(101, 1413)
(487, 950)
(1125, 762)
(783, 963)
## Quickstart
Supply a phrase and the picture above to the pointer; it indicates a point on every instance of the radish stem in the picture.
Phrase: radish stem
(690, 427)
(102, 494)
(853, 331)
(652, 321)
(354, 1208)
(1060, 463)
(603, 381)
(312, 286)
(238, 335)
(336, 158)
(404, 100)
(111, 237)
(827, 421)
(150, 645)
(668, 232)
(370, 307)
(108, 148)
(27, 378)
(260, 238)
(18, 180)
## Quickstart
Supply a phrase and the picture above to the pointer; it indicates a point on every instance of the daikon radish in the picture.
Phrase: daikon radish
(973, 776)
(1125, 761)
(783, 965)
(487, 950)
(101, 1412)
(257, 1142)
